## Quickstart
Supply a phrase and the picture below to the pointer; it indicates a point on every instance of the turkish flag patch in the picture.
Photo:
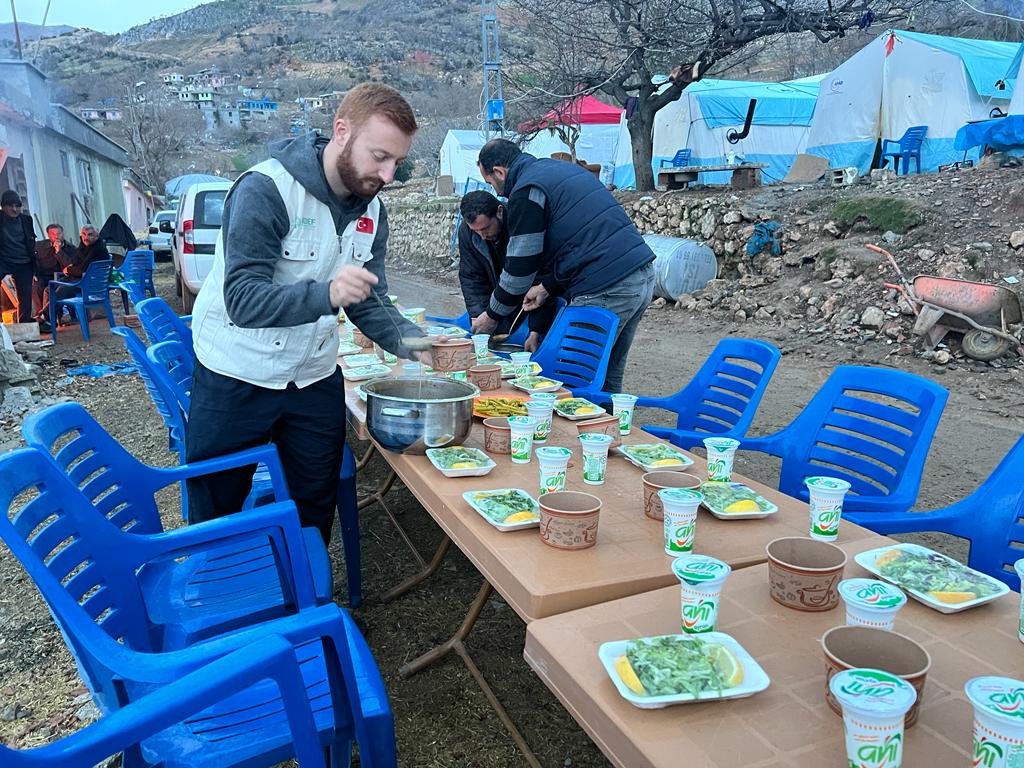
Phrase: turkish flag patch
(365, 225)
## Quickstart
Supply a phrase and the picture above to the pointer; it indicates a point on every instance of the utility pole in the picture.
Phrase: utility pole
(493, 118)
(17, 29)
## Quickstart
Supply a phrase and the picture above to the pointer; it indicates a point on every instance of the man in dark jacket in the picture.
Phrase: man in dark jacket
(52, 256)
(483, 240)
(17, 250)
(90, 249)
(562, 221)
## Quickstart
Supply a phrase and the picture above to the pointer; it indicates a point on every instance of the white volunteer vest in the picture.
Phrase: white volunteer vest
(312, 250)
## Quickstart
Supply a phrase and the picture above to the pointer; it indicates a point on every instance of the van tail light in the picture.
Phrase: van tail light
(189, 245)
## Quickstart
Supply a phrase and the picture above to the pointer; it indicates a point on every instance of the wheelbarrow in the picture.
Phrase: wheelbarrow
(983, 313)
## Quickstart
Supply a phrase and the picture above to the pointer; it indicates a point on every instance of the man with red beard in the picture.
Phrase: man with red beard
(303, 236)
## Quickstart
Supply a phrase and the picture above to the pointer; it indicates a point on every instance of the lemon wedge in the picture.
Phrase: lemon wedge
(665, 462)
(628, 676)
(464, 465)
(586, 409)
(887, 557)
(952, 598)
(728, 665)
(521, 517)
(743, 505)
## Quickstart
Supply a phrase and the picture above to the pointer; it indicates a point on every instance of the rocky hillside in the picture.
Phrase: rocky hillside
(32, 31)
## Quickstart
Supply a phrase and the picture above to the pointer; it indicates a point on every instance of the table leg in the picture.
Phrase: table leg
(455, 644)
(421, 575)
(365, 458)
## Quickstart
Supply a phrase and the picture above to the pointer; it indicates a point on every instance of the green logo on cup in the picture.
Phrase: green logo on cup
(718, 469)
(700, 570)
(1010, 703)
(698, 613)
(870, 684)
(682, 540)
(826, 523)
(878, 595)
(552, 483)
(986, 753)
(593, 466)
(882, 754)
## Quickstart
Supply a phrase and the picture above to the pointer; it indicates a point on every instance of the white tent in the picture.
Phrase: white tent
(904, 79)
(459, 152)
(1017, 100)
(595, 145)
(709, 110)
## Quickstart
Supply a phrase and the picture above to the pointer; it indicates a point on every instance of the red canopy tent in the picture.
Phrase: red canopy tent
(585, 110)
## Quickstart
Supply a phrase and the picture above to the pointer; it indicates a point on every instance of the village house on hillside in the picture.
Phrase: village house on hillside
(64, 169)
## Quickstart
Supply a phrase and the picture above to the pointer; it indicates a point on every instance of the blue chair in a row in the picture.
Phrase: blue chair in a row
(162, 323)
(167, 725)
(89, 576)
(990, 519)
(137, 273)
(93, 292)
(240, 568)
(577, 349)
(722, 397)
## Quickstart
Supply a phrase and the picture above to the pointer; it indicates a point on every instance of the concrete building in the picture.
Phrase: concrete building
(65, 170)
(139, 201)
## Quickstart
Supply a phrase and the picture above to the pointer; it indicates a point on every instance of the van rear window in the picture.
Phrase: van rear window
(209, 209)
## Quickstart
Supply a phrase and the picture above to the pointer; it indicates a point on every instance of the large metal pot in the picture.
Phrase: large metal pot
(409, 414)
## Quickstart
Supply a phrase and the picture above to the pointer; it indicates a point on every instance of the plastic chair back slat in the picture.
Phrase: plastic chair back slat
(880, 453)
(162, 323)
(732, 369)
(863, 407)
(873, 429)
(577, 348)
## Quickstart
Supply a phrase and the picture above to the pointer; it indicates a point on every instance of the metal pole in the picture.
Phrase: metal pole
(17, 30)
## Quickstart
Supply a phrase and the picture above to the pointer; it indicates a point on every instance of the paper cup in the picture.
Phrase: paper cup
(595, 457)
(622, 406)
(871, 603)
(1019, 567)
(522, 438)
(540, 412)
(826, 502)
(700, 590)
(680, 519)
(721, 451)
(553, 465)
(480, 341)
(521, 364)
(998, 721)
(874, 704)
(656, 481)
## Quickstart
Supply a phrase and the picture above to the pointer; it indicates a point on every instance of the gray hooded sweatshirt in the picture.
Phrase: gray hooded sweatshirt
(255, 221)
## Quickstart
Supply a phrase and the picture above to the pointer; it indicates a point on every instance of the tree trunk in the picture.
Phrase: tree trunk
(641, 134)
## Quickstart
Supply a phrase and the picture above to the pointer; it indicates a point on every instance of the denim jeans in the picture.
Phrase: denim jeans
(628, 299)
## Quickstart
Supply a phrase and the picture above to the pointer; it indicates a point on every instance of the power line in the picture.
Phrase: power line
(990, 13)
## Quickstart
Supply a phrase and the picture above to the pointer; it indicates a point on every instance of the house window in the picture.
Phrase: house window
(85, 181)
(65, 165)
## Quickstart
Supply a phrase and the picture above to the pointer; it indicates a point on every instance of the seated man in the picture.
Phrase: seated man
(483, 241)
(90, 249)
(52, 256)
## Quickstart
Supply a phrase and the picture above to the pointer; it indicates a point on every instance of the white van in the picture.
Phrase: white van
(161, 230)
(195, 237)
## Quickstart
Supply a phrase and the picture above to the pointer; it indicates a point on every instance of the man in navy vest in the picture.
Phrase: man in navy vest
(564, 225)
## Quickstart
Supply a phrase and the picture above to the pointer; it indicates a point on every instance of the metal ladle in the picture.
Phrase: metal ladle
(501, 338)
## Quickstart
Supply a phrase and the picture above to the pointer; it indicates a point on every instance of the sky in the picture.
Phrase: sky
(108, 16)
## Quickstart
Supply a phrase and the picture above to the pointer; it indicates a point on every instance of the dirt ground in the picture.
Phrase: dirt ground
(442, 720)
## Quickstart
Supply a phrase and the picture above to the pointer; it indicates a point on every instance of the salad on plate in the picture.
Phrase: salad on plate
(458, 457)
(735, 500)
(505, 507)
(578, 407)
(656, 456)
(675, 664)
(921, 570)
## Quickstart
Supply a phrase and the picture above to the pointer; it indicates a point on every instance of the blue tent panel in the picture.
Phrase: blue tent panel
(724, 102)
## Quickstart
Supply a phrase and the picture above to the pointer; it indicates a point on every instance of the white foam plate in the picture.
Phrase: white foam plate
(532, 503)
(767, 508)
(358, 361)
(755, 679)
(554, 385)
(348, 348)
(867, 561)
(434, 455)
(625, 450)
(366, 372)
(598, 410)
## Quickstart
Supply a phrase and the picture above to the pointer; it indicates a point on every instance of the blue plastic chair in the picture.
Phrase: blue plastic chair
(172, 363)
(93, 291)
(162, 397)
(167, 724)
(162, 323)
(990, 519)
(577, 349)
(909, 146)
(88, 581)
(245, 568)
(722, 397)
(681, 159)
(869, 426)
(137, 269)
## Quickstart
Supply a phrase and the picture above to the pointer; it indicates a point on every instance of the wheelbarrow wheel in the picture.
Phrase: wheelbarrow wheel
(979, 345)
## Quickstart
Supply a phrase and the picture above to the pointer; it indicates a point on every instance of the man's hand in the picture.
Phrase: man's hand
(532, 342)
(423, 356)
(351, 285)
(536, 296)
(484, 323)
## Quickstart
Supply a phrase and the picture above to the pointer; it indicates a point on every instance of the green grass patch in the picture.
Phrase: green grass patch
(878, 213)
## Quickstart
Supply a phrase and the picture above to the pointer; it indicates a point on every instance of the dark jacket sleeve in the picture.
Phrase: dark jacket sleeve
(255, 224)
(30, 240)
(376, 316)
(476, 285)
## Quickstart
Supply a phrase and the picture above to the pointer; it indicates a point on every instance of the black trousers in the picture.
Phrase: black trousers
(306, 425)
(22, 274)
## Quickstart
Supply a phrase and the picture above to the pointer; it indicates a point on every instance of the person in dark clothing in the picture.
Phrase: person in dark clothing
(90, 249)
(52, 256)
(567, 235)
(17, 251)
(483, 240)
